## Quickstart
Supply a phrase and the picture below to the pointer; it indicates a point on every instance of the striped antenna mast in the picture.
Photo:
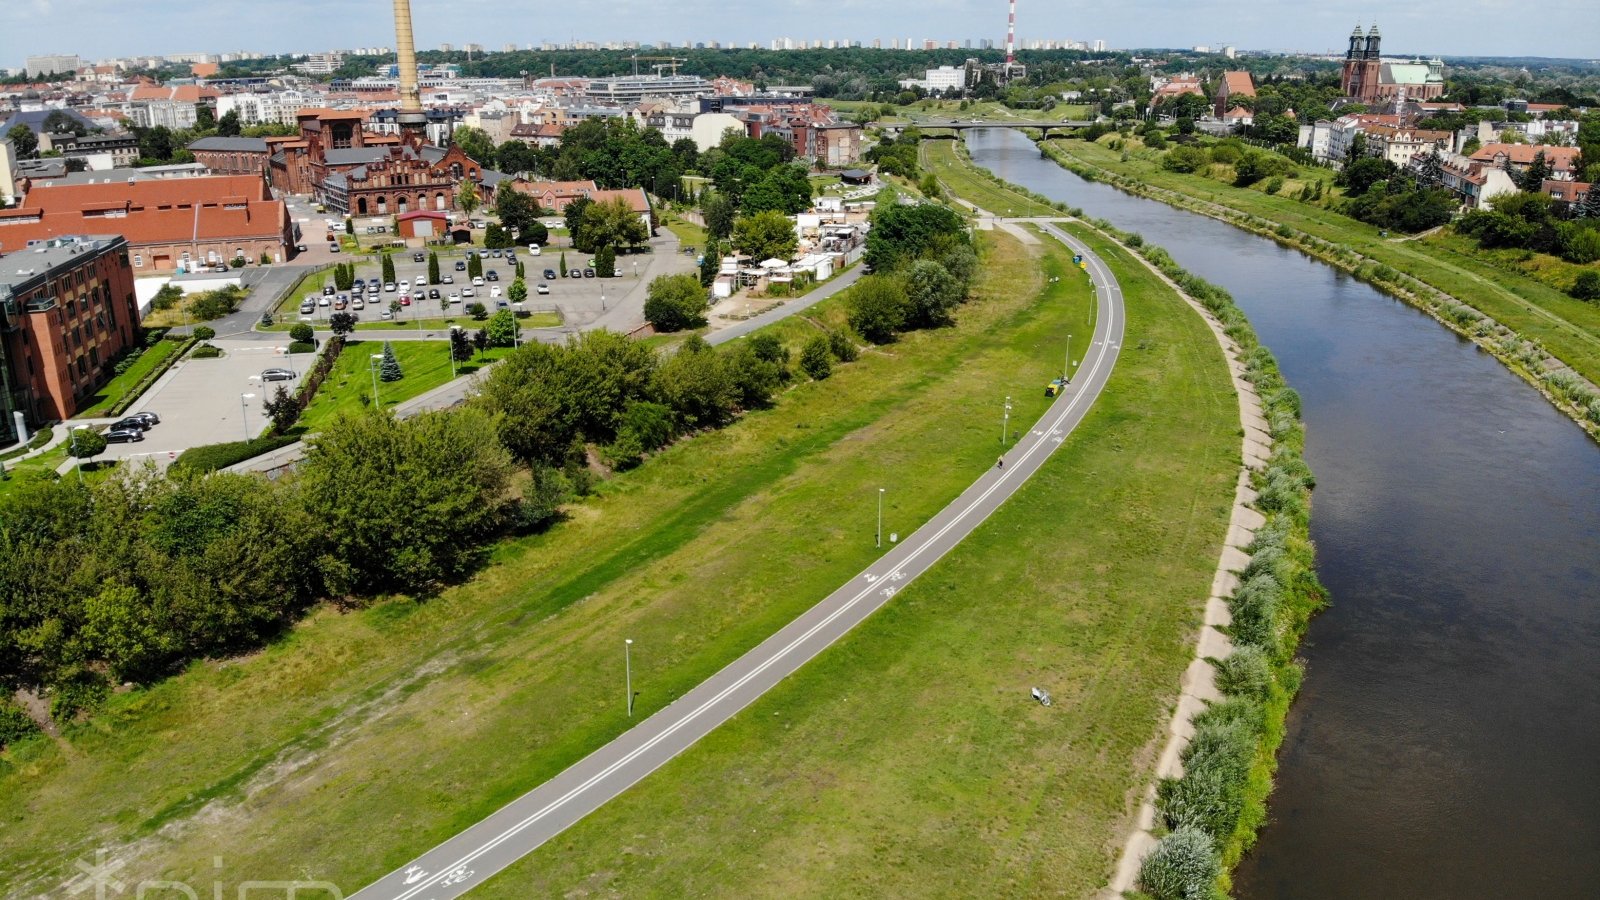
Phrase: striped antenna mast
(1011, 35)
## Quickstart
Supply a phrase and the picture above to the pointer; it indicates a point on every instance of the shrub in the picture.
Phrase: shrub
(206, 351)
(302, 333)
(477, 311)
(302, 347)
(1586, 287)
(1274, 184)
(675, 302)
(214, 457)
(842, 348)
(816, 360)
(879, 307)
(1246, 673)
(1255, 612)
(1216, 767)
(204, 333)
(14, 723)
(1183, 866)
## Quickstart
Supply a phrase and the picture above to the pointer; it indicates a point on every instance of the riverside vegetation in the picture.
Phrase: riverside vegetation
(1213, 812)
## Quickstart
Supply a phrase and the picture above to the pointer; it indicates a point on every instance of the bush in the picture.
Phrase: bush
(816, 360)
(214, 457)
(879, 307)
(675, 302)
(477, 311)
(206, 351)
(14, 723)
(1216, 768)
(302, 347)
(842, 348)
(302, 333)
(1183, 866)
(1245, 673)
(1586, 287)
(204, 333)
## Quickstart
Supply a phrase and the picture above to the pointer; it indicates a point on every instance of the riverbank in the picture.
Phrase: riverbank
(1524, 349)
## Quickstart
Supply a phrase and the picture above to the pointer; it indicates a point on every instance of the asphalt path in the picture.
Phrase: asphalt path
(466, 860)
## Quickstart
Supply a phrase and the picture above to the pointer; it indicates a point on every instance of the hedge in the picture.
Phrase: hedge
(212, 457)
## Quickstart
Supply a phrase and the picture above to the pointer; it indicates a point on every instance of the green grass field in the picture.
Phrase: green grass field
(426, 365)
(909, 760)
(961, 180)
(366, 736)
(117, 388)
(1568, 328)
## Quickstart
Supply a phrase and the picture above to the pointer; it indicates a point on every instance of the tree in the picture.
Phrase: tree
(695, 383)
(573, 217)
(816, 360)
(765, 235)
(518, 291)
(433, 267)
(404, 504)
(476, 143)
(879, 307)
(785, 189)
(460, 345)
(902, 233)
(932, 293)
(495, 237)
(477, 311)
(85, 444)
(1364, 173)
(605, 262)
(719, 213)
(283, 410)
(611, 223)
(62, 122)
(342, 323)
(467, 198)
(563, 264)
(1532, 179)
(515, 157)
(388, 268)
(710, 262)
(1586, 287)
(480, 340)
(502, 329)
(302, 333)
(474, 265)
(1185, 159)
(24, 140)
(228, 125)
(518, 212)
(675, 302)
(389, 368)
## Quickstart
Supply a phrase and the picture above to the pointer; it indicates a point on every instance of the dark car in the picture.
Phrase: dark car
(491, 275)
(588, 273)
(150, 418)
(129, 423)
(123, 435)
(461, 266)
(299, 248)
(418, 257)
(550, 274)
(448, 279)
(433, 293)
(574, 273)
(328, 290)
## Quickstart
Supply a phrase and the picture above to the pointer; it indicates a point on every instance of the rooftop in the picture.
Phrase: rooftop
(23, 266)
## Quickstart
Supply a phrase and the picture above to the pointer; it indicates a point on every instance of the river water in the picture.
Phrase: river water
(1446, 742)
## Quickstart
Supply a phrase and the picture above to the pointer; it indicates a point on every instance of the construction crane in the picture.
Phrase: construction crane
(665, 62)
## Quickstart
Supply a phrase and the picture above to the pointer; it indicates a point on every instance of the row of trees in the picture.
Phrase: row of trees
(1534, 221)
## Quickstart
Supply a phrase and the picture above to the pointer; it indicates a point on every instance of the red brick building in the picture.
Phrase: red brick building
(166, 222)
(232, 155)
(67, 311)
(1233, 86)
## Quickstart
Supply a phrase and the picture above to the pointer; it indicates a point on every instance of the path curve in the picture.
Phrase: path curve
(471, 857)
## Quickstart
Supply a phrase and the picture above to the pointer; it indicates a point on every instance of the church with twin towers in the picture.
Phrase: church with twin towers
(1367, 78)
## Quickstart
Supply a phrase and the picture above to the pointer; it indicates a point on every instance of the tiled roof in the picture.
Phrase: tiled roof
(159, 211)
(354, 156)
(1559, 158)
(1239, 83)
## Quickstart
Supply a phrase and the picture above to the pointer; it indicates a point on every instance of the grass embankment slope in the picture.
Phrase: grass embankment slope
(424, 366)
(365, 737)
(965, 182)
(1568, 328)
(113, 391)
(909, 760)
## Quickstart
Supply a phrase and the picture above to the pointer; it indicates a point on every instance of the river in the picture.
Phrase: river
(1446, 742)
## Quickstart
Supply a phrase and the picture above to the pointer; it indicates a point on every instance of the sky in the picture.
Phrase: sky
(98, 29)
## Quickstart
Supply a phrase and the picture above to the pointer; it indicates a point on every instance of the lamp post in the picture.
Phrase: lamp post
(1066, 364)
(627, 661)
(244, 413)
(1005, 421)
(880, 518)
(602, 297)
(452, 343)
(79, 462)
(372, 368)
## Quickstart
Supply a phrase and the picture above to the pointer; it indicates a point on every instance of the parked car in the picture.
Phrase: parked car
(360, 284)
(496, 254)
(574, 273)
(324, 300)
(386, 315)
(333, 248)
(494, 291)
(483, 254)
(477, 281)
(588, 273)
(341, 302)
(511, 258)
(492, 275)
(123, 435)
(418, 257)
(271, 375)
(447, 279)
(455, 298)
(533, 249)
(329, 290)
(542, 288)
(299, 248)
(468, 291)
(405, 299)
(147, 416)
(404, 285)
(130, 422)
(390, 287)
(549, 274)
(357, 303)
(433, 293)
(460, 266)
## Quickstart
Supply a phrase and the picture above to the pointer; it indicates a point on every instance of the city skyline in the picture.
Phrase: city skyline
(103, 29)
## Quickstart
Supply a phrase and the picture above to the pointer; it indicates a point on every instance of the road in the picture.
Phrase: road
(461, 863)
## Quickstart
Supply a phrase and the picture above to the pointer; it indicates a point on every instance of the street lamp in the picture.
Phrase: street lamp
(627, 661)
(1005, 421)
(244, 413)
(452, 343)
(636, 268)
(1066, 364)
(880, 517)
(372, 368)
(602, 298)
(79, 461)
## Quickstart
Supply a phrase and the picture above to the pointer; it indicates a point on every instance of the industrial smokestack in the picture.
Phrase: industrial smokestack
(406, 46)
(1010, 36)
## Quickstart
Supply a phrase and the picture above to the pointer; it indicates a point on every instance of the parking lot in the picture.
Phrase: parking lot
(201, 401)
(616, 302)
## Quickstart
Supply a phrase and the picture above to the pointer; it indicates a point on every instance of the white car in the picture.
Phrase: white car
(455, 298)
(477, 281)
(494, 292)
(542, 288)
(324, 300)
(358, 303)
(405, 286)
(468, 292)
(533, 249)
